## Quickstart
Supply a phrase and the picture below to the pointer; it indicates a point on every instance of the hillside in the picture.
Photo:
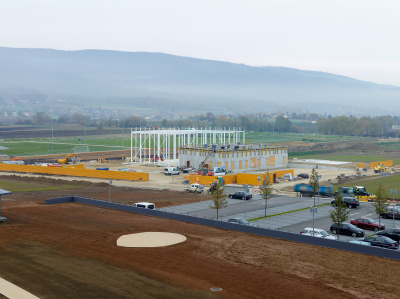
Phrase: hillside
(97, 73)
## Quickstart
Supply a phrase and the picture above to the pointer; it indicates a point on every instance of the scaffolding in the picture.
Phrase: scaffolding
(160, 146)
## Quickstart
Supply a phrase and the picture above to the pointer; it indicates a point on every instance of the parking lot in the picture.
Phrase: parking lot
(296, 217)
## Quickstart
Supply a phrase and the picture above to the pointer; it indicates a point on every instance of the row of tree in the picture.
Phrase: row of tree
(353, 126)
(279, 124)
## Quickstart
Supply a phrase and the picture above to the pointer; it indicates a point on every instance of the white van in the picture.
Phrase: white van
(171, 170)
(145, 205)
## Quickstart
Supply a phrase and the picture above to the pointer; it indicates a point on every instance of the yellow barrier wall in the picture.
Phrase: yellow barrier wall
(360, 165)
(79, 172)
(384, 163)
(254, 179)
(208, 180)
(257, 179)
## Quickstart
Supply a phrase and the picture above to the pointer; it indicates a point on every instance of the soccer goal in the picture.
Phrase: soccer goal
(81, 149)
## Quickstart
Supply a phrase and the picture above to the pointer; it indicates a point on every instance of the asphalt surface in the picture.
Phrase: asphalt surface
(294, 221)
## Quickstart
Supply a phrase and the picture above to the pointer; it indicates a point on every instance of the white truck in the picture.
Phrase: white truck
(194, 188)
(171, 170)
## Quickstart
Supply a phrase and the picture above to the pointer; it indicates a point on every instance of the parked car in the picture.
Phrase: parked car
(389, 212)
(367, 223)
(382, 241)
(392, 233)
(240, 221)
(240, 195)
(308, 231)
(350, 202)
(194, 188)
(347, 229)
(303, 175)
(144, 205)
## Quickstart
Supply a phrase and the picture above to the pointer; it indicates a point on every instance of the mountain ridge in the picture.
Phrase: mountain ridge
(108, 73)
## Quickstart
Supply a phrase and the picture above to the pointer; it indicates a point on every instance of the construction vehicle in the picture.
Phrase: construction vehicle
(379, 168)
(361, 194)
(16, 159)
(204, 171)
(69, 158)
(306, 190)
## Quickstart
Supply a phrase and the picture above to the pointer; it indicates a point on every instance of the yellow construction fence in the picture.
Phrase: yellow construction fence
(254, 179)
(388, 163)
(77, 171)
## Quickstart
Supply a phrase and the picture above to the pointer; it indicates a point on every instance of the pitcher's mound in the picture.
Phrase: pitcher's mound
(150, 239)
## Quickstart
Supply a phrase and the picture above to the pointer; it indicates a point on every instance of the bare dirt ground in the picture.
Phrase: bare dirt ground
(69, 251)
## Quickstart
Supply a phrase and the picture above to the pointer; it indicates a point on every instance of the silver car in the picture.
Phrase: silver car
(320, 233)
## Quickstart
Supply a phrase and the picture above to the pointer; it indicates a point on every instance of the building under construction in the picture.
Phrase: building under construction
(235, 157)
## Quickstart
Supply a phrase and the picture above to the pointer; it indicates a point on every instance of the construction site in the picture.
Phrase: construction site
(74, 247)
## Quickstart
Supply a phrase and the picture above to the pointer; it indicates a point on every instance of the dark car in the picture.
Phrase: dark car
(392, 233)
(350, 202)
(240, 221)
(303, 175)
(347, 229)
(240, 195)
(367, 223)
(382, 241)
(389, 212)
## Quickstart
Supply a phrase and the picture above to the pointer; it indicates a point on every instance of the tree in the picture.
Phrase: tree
(282, 124)
(42, 118)
(219, 199)
(380, 203)
(314, 183)
(266, 190)
(340, 212)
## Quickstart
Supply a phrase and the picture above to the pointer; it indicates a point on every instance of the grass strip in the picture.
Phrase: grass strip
(302, 209)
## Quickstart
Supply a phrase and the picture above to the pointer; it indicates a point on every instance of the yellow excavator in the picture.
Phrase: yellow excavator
(69, 158)
(379, 168)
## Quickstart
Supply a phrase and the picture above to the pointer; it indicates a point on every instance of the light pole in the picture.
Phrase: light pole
(85, 129)
(393, 193)
(318, 177)
(201, 186)
(245, 199)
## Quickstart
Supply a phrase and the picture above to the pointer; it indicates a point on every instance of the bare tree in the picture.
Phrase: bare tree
(219, 199)
(340, 213)
(266, 190)
(314, 183)
(380, 203)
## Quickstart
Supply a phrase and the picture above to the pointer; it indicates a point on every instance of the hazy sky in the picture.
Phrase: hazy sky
(356, 38)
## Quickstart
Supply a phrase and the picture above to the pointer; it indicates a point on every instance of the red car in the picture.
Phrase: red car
(367, 223)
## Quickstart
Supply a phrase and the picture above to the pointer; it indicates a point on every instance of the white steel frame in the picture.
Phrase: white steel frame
(165, 142)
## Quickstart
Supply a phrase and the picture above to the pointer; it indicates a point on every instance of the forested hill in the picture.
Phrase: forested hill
(96, 73)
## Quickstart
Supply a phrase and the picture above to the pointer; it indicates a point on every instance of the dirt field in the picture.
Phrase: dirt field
(69, 251)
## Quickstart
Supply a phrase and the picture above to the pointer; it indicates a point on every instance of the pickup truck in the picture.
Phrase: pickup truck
(194, 188)
(240, 195)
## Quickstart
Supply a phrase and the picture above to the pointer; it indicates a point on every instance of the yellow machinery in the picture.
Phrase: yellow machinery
(69, 158)
(379, 168)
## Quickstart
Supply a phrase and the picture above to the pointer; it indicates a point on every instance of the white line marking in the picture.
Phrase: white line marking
(367, 215)
(14, 292)
(354, 214)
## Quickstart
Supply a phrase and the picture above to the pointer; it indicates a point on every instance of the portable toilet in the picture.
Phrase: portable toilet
(220, 180)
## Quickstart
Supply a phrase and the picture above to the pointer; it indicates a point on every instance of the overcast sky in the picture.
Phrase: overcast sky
(356, 38)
